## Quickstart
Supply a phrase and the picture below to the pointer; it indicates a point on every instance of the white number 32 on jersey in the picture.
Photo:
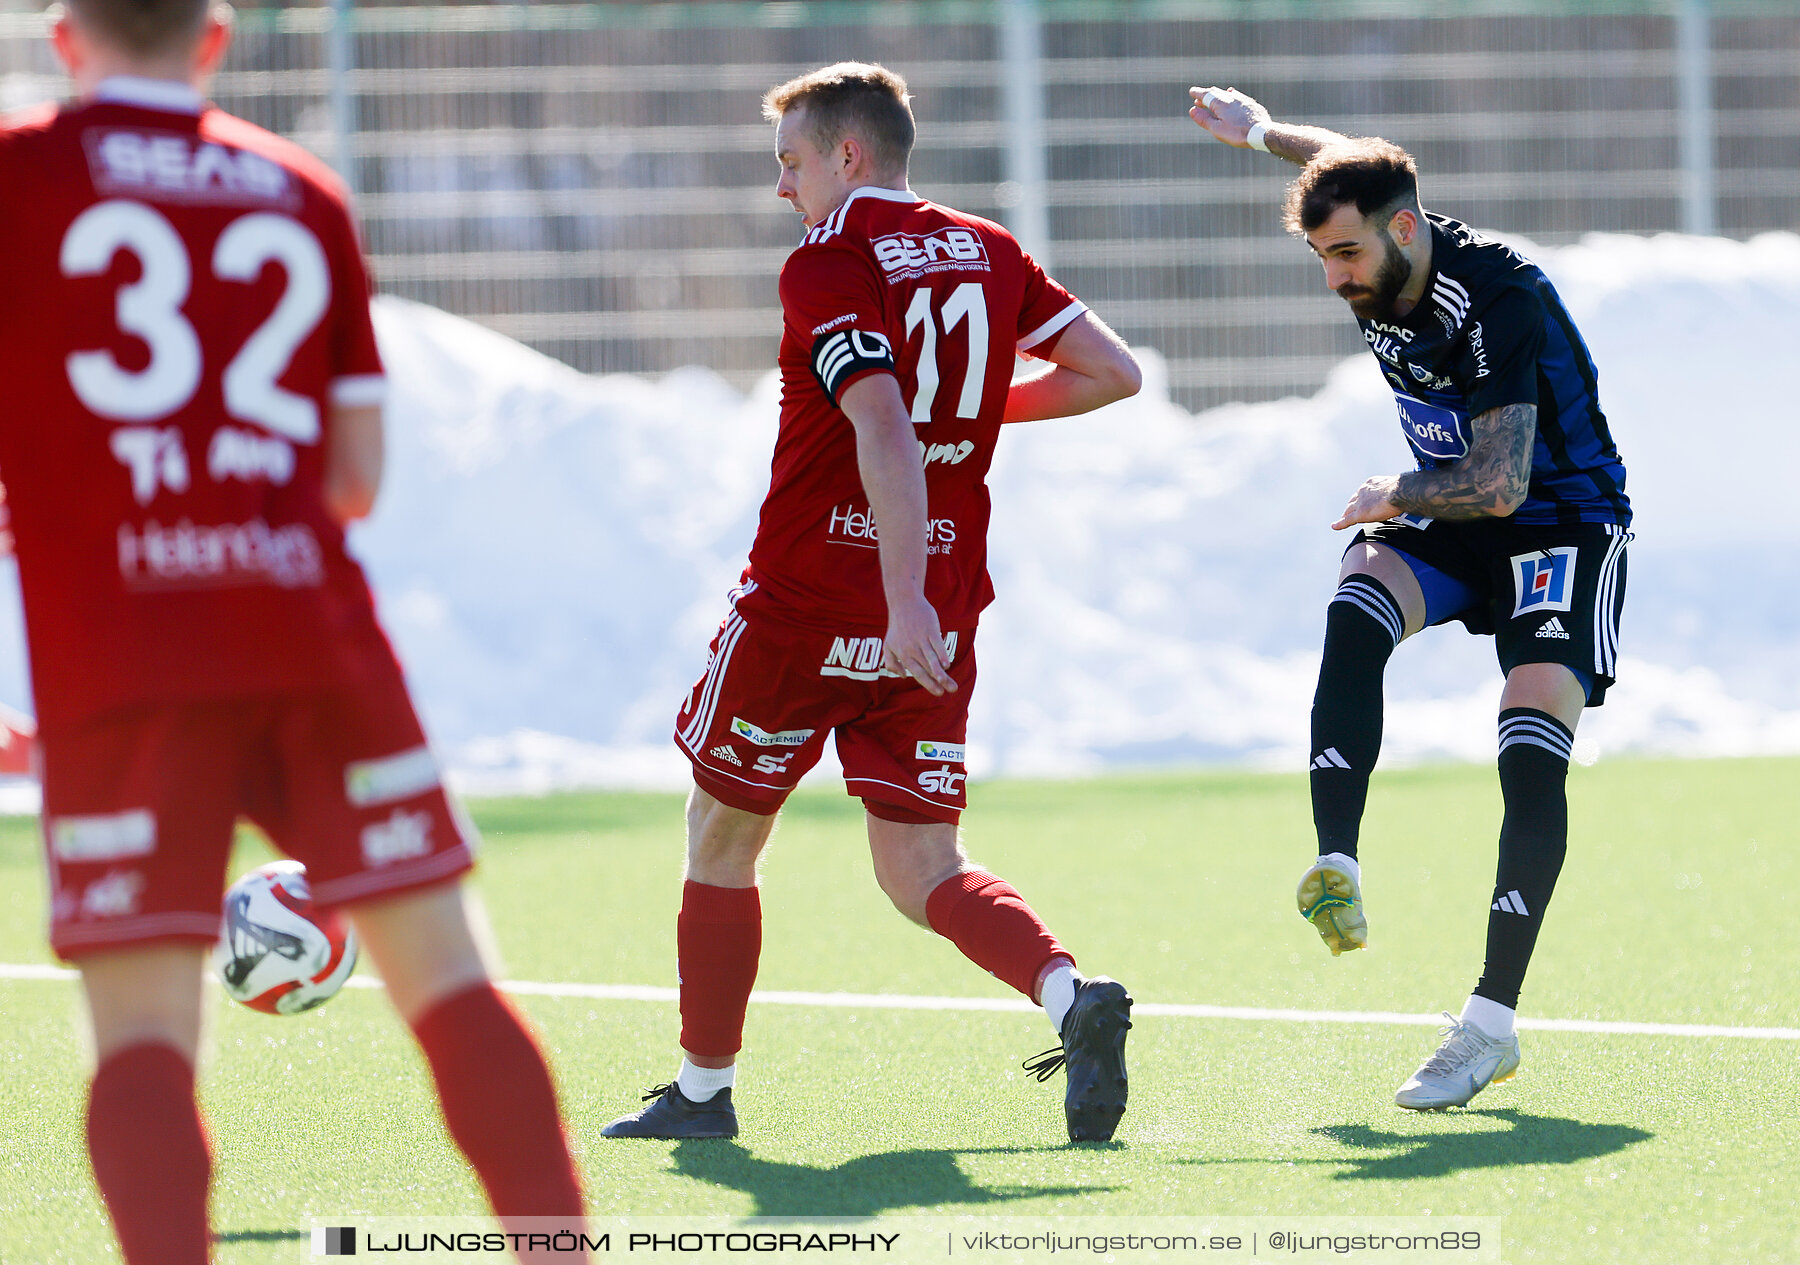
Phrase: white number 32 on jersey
(150, 309)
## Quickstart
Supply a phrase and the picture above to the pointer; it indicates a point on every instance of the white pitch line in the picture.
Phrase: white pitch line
(1167, 1010)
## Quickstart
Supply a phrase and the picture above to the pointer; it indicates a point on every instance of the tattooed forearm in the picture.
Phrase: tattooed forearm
(1298, 142)
(1490, 482)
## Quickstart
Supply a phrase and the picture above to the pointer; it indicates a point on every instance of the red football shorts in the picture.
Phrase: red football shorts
(140, 806)
(758, 720)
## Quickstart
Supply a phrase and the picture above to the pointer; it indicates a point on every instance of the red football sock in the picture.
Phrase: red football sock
(718, 939)
(994, 927)
(499, 1104)
(150, 1154)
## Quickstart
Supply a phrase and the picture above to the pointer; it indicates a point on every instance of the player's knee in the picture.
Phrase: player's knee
(724, 842)
(145, 997)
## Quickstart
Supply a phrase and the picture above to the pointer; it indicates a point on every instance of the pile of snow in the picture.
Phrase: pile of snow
(552, 550)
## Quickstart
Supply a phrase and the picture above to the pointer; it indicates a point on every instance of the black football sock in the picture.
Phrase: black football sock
(1534, 836)
(1363, 624)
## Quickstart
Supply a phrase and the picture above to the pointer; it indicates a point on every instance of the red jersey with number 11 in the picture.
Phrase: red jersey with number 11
(184, 299)
(891, 283)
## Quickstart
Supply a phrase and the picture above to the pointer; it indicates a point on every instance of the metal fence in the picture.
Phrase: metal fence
(596, 181)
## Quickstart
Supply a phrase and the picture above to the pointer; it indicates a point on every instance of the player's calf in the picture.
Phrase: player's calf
(1363, 624)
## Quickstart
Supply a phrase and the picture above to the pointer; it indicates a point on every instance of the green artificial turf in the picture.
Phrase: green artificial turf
(1673, 908)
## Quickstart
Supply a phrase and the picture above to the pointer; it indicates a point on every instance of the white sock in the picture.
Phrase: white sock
(1343, 862)
(1056, 995)
(1490, 1016)
(699, 1084)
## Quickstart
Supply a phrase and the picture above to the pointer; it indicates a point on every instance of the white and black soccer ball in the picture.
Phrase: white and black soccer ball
(276, 953)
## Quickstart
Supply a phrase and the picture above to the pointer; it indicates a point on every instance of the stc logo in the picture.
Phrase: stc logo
(942, 781)
(905, 252)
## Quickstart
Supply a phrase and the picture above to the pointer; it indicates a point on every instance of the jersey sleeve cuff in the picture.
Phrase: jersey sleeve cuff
(358, 390)
(1052, 327)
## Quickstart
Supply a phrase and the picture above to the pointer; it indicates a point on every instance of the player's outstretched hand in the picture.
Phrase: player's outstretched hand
(1373, 503)
(914, 646)
(1227, 114)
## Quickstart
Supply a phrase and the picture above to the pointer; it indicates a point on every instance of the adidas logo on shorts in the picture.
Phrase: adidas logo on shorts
(725, 753)
(1553, 628)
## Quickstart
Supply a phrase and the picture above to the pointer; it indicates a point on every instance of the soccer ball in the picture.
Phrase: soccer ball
(276, 953)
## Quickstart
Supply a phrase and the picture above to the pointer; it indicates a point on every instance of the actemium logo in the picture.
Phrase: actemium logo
(764, 738)
(951, 751)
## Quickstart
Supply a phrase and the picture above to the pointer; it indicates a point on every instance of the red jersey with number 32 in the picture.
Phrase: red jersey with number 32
(184, 299)
(890, 283)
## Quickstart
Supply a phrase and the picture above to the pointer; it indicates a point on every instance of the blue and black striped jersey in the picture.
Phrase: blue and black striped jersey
(1491, 331)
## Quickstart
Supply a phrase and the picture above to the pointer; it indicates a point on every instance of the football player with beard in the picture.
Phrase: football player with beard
(1514, 523)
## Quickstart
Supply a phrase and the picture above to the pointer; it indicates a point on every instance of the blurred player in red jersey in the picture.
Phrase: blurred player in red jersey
(900, 323)
(194, 414)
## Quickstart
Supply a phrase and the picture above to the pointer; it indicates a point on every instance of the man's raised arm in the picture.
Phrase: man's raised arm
(1242, 122)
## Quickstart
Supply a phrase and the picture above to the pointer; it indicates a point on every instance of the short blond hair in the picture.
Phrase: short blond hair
(852, 98)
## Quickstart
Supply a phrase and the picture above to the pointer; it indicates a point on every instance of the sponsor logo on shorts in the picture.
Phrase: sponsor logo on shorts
(104, 836)
(767, 763)
(371, 783)
(741, 728)
(1544, 581)
(401, 837)
(115, 896)
(952, 751)
(1554, 629)
(859, 658)
(907, 254)
(944, 781)
(727, 753)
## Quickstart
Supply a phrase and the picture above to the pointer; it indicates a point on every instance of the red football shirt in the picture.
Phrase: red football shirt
(891, 283)
(184, 297)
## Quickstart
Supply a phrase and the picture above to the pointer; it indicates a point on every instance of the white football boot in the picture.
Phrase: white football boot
(1330, 898)
(1466, 1063)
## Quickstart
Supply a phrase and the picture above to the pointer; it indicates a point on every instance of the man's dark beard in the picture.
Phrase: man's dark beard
(1376, 303)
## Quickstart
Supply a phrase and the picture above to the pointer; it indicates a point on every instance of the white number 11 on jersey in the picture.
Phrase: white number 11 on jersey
(966, 303)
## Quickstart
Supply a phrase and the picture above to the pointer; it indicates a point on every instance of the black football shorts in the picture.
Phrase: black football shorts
(1547, 593)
